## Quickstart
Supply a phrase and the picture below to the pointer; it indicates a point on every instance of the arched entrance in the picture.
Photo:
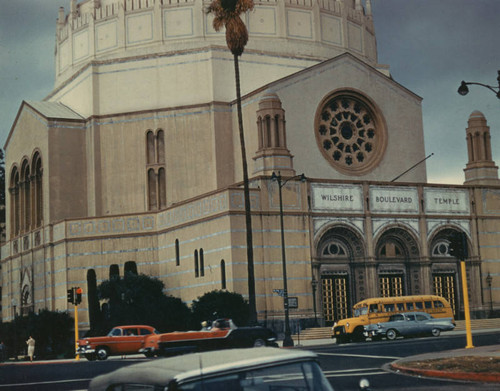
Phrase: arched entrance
(395, 250)
(337, 250)
(444, 269)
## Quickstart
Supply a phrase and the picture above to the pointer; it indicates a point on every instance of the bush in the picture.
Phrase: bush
(220, 304)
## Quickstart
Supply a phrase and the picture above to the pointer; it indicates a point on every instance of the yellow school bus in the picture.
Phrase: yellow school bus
(379, 309)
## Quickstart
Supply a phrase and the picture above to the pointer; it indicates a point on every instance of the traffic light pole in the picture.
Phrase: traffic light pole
(466, 306)
(77, 356)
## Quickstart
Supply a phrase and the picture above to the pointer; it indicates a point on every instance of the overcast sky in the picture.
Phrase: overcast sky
(430, 46)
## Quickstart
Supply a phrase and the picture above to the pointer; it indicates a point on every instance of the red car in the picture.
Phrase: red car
(120, 340)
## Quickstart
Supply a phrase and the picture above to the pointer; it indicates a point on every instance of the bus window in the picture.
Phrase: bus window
(428, 305)
(438, 304)
(400, 306)
(419, 305)
(409, 306)
(373, 308)
(389, 307)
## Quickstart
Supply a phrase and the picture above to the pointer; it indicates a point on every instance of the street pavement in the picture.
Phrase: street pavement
(401, 365)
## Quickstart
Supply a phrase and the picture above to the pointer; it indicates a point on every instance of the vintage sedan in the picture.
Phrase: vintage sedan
(222, 334)
(121, 340)
(407, 324)
(259, 369)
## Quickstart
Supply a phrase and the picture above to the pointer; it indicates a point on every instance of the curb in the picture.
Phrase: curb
(470, 376)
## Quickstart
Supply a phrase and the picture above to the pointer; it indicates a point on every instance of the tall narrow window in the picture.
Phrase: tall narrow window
(114, 272)
(223, 274)
(26, 197)
(196, 264)
(156, 171)
(202, 263)
(37, 191)
(177, 253)
(14, 205)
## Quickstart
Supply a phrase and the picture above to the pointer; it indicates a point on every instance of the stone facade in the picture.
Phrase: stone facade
(135, 157)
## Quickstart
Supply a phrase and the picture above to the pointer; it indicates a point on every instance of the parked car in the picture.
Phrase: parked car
(222, 334)
(409, 324)
(259, 369)
(120, 340)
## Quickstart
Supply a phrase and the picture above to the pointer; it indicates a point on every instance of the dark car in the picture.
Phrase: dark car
(259, 369)
(222, 334)
(409, 324)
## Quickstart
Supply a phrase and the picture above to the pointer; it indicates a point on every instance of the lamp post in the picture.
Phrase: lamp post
(489, 280)
(464, 90)
(314, 284)
(288, 341)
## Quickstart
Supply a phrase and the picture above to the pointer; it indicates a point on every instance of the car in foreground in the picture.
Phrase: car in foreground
(408, 324)
(222, 334)
(121, 340)
(259, 369)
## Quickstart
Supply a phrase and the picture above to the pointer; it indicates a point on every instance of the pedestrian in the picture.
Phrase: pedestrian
(31, 347)
(3, 351)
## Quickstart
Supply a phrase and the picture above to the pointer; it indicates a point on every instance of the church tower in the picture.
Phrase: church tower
(481, 169)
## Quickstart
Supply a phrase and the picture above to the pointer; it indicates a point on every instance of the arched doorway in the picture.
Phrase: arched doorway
(337, 250)
(395, 250)
(444, 268)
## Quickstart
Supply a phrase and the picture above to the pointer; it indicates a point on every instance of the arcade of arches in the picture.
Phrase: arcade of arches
(342, 268)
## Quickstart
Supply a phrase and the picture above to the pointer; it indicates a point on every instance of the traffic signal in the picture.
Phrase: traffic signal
(71, 296)
(458, 245)
(78, 298)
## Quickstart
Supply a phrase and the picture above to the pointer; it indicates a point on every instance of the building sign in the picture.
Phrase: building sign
(446, 201)
(293, 302)
(393, 200)
(339, 198)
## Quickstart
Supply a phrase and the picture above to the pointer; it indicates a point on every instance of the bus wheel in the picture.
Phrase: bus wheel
(357, 335)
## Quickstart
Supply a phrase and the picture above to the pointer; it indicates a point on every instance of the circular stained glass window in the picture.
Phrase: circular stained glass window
(350, 133)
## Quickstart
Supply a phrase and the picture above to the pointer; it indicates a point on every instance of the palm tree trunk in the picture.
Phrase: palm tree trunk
(248, 218)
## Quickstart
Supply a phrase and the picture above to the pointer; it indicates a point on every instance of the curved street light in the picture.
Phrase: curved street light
(287, 341)
(464, 90)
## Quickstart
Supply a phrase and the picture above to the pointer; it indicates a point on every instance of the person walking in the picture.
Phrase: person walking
(3, 351)
(31, 347)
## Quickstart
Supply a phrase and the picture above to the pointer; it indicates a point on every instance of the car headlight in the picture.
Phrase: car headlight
(347, 325)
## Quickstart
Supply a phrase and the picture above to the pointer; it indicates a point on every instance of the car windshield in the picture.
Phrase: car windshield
(296, 376)
(360, 311)
(115, 332)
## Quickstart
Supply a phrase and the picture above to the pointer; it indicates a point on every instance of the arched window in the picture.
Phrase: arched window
(196, 264)
(155, 168)
(26, 197)
(177, 253)
(15, 212)
(37, 191)
(223, 274)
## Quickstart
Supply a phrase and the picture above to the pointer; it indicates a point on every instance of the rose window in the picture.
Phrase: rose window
(349, 134)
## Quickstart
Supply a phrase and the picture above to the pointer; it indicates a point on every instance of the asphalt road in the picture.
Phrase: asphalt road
(344, 366)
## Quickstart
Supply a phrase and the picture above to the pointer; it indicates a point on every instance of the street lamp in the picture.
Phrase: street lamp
(464, 90)
(314, 284)
(288, 341)
(489, 280)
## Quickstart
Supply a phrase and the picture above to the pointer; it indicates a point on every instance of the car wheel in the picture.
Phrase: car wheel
(436, 332)
(90, 356)
(391, 334)
(258, 343)
(102, 353)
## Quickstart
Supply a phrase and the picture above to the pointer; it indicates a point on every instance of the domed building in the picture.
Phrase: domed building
(133, 163)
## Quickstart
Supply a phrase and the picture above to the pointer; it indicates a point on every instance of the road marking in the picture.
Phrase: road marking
(357, 355)
(357, 374)
(42, 382)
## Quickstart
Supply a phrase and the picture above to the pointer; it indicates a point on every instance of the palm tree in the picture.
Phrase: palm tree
(227, 14)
